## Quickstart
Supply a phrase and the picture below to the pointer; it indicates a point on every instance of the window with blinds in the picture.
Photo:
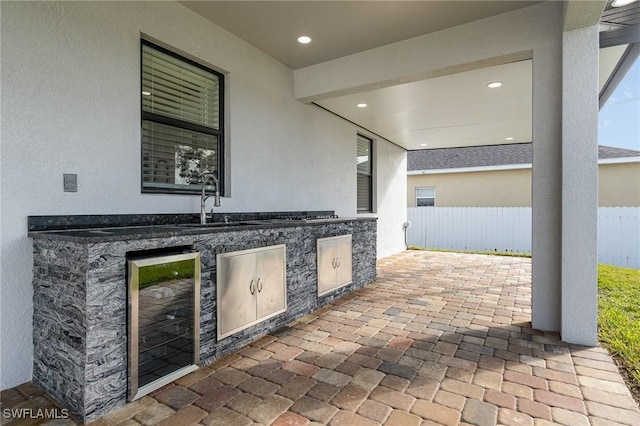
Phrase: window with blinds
(365, 174)
(182, 118)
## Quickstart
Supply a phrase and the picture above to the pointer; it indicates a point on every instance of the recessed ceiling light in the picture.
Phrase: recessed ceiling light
(423, 144)
(145, 93)
(620, 3)
(508, 139)
(361, 105)
(494, 84)
(304, 39)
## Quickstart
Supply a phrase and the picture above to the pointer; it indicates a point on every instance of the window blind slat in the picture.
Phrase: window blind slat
(162, 136)
(170, 62)
(187, 114)
(179, 90)
(160, 97)
(152, 80)
(205, 97)
(197, 110)
(364, 191)
(364, 155)
(155, 76)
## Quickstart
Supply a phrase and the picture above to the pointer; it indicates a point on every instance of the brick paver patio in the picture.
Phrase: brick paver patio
(440, 338)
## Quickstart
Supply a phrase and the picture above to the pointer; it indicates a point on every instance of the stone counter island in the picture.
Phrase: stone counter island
(80, 292)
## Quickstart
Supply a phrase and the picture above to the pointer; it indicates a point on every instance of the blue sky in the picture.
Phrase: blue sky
(619, 119)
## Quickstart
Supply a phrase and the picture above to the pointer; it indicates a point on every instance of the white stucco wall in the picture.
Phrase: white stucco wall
(70, 104)
(390, 168)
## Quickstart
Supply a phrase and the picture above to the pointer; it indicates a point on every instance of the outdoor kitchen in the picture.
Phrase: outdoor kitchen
(85, 348)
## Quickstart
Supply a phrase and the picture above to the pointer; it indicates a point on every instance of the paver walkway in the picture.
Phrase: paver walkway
(440, 338)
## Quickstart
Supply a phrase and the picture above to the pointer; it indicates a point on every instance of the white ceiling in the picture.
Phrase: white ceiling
(448, 111)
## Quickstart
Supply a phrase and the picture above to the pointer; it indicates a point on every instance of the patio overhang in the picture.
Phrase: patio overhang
(562, 42)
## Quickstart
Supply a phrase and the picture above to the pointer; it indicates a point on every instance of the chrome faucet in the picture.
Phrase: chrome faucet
(203, 197)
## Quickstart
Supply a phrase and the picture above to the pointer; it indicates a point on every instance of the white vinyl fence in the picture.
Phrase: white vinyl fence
(509, 229)
(619, 236)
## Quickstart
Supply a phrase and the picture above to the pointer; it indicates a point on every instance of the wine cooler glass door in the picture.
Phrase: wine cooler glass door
(163, 320)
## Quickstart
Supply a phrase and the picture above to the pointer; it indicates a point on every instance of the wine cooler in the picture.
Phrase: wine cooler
(164, 319)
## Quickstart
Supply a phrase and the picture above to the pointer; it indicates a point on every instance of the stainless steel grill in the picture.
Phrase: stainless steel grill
(306, 216)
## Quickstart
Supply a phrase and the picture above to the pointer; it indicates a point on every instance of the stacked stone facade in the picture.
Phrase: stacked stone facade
(80, 301)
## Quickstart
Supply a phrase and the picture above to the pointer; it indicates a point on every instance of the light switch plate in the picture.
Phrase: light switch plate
(70, 182)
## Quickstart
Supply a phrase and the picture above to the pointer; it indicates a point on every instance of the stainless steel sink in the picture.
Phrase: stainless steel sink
(119, 231)
(216, 224)
(246, 223)
(276, 221)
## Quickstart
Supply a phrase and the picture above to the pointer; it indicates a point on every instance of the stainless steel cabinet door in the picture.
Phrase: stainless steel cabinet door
(271, 282)
(343, 254)
(326, 265)
(334, 263)
(251, 287)
(236, 292)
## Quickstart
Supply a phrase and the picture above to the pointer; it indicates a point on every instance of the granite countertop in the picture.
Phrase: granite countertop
(118, 233)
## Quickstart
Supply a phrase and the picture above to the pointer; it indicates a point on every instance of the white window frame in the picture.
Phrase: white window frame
(433, 197)
(193, 169)
(371, 175)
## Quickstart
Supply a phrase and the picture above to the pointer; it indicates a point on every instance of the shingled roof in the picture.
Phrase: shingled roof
(489, 155)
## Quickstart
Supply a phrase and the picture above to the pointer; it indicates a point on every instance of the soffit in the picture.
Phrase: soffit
(339, 28)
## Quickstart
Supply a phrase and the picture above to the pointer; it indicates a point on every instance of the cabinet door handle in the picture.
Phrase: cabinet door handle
(333, 262)
(337, 262)
(252, 289)
(259, 285)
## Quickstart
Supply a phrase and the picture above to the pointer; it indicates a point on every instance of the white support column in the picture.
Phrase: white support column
(546, 188)
(579, 185)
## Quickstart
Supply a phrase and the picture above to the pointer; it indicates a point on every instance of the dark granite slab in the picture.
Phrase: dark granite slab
(94, 235)
(51, 223)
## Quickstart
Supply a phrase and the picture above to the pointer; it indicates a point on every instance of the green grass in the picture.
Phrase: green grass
(495, 252)
(165, 272)
(619, 316)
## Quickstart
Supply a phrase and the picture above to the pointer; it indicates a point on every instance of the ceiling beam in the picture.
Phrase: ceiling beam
(581, 14)
(624, 64)
(626, 35)
(497, 40)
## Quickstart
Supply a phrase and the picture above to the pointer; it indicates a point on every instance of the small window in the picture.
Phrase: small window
(182, 116)
(365, 174)
(426, 197)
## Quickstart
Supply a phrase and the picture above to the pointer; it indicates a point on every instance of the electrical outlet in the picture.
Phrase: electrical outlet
(70, 182)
